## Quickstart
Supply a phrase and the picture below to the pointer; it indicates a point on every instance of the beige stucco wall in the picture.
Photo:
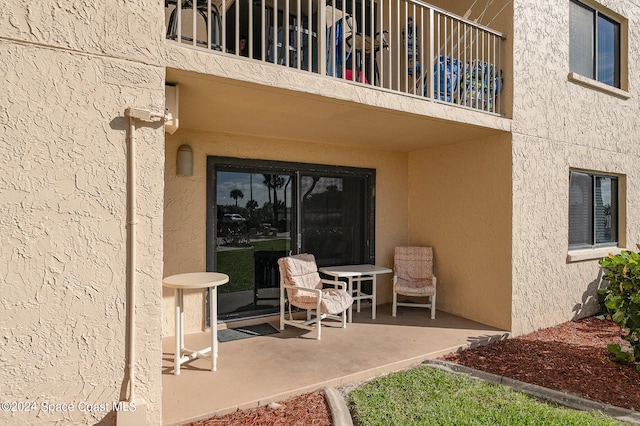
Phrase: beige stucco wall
(185, 201)
(460, 204)
(69, 70)
(559, 125)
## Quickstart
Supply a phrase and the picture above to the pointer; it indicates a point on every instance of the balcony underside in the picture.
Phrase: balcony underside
(237, 96)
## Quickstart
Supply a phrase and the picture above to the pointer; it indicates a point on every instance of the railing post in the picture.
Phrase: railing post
(286, 43)
(250, 35)
(223, 38)
(209, 25)
(265, 30)
(322, 37)
(194, 25)
(429, 72)
(398, 48)
(236, 41)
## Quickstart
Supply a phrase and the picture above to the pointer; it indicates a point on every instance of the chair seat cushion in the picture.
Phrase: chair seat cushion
(416, 288)
(334, 300)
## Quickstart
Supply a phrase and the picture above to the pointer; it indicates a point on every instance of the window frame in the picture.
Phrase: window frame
(620, 87)
(617, 233)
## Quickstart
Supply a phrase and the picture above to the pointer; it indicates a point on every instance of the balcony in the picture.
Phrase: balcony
(399, 46)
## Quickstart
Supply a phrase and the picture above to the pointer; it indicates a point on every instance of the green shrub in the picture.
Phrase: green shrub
(621, 300)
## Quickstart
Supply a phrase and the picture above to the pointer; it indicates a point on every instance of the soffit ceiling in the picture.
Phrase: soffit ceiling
(224, 105)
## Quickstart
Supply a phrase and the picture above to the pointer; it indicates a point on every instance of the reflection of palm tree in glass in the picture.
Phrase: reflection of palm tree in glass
(274, 182)
(268, 182)
(285, 199)
(235, 194)
(603, 209)
(607, 221)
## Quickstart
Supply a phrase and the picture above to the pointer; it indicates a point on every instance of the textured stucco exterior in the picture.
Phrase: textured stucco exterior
(560, 125)
(460, 204)
(488, 192)
(69, 72)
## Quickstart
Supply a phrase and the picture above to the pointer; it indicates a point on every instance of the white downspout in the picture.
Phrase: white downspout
(146, 116)
(131, 261)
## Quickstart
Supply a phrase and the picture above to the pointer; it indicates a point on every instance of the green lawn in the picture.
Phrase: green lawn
(427, 396)
(239, 263)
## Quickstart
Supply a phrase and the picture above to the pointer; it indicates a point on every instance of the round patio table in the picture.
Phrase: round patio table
(190, 281)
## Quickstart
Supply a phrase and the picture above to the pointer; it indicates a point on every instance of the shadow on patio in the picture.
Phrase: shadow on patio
(253, 372)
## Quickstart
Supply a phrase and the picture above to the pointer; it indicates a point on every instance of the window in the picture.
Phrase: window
(594, 44)
(593, 210)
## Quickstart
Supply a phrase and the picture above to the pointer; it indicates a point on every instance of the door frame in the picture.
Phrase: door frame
(233, 164)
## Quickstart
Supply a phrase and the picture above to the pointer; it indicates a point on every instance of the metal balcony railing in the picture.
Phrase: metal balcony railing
(403, 46)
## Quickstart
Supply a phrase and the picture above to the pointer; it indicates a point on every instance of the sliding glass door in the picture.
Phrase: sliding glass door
(334, 218)
(252, 225)
(259, 211)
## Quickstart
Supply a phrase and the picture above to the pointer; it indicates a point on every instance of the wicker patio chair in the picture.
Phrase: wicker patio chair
(413, 276)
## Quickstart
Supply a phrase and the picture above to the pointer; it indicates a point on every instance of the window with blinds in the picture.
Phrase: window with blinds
(593, 210)
(594, 44)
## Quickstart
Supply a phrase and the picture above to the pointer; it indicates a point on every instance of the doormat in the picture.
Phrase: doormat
(239, 333)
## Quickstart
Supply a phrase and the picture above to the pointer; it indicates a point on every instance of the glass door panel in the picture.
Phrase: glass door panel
(333, 216)
(253, 230)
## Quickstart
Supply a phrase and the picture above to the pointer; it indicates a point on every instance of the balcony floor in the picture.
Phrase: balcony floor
(253, 372)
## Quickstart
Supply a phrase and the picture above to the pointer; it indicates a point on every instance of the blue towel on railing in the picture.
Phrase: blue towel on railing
(445, 79)
(335, 69)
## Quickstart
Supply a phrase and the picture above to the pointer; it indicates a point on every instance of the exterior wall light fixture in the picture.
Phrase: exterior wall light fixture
(184, 161)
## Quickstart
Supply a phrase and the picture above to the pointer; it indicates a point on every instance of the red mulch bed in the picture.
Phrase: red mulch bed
(571, 357)
(308, 409)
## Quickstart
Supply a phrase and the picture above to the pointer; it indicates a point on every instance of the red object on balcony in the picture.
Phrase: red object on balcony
(359, 76)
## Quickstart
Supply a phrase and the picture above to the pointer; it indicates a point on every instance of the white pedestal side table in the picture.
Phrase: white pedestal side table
(190, 281)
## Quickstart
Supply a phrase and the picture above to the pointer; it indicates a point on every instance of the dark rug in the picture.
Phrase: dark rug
(239, 333)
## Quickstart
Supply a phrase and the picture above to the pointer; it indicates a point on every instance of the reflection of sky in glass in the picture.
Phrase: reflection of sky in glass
(605, 190)
(607, 44)
(228, 181)
(321, 185)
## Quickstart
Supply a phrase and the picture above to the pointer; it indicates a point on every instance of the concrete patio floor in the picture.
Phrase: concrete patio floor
(259, 370)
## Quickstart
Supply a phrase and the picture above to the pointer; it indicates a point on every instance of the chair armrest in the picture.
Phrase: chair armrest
(312, 290)
(334, 283)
